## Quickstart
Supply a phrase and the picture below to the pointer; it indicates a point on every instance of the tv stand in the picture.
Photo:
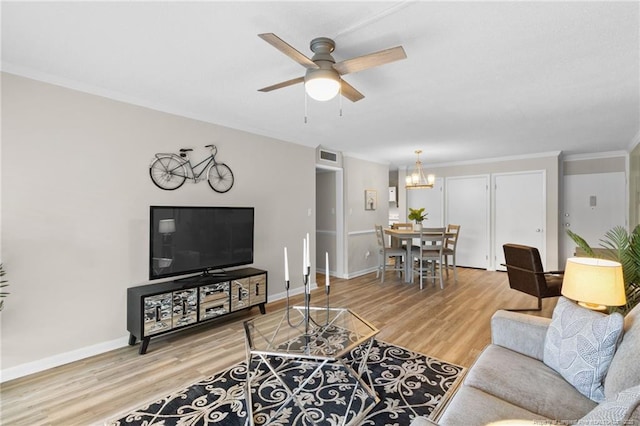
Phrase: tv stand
(215, 274)
(157, 309)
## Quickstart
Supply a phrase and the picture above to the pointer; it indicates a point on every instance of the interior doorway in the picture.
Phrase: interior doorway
(330, 220)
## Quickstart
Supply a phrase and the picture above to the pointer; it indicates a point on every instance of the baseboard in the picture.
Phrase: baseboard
(97, 349)
(292, 292)
(362, 272)
(61, 359)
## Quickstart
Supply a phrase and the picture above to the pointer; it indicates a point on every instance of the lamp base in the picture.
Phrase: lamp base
(593, 306)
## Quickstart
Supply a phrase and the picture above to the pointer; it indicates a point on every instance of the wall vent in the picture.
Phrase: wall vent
(328, 157)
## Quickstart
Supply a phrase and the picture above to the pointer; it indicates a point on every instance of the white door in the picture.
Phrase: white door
(519, 212)
(467, 205)
(593, 204)
(432, 200)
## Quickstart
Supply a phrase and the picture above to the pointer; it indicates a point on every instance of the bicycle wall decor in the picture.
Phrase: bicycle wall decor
(169, 171)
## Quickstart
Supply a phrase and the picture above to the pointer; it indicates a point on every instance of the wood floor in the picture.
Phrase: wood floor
(450, 324)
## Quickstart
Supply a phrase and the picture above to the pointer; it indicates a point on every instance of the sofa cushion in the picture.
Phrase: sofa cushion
(624, 371)
(614, 411)
(527, 383)
(471, 407)
(580, 345)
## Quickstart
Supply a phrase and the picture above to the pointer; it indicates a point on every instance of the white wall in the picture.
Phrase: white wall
(75, 203)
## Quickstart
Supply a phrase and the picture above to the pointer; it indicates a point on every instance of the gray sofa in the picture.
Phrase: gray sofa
(509, 380)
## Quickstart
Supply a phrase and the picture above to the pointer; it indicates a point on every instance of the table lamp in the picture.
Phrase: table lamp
(594, 283)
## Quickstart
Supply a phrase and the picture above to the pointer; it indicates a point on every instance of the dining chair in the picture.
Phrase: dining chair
(385, 252)
(450, 244)
(429, 255)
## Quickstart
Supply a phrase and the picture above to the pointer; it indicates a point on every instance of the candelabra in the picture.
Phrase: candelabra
(306, 319)
(306, 314)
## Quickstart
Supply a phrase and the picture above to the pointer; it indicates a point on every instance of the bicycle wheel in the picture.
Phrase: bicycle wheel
(220, 178)
(167, 173)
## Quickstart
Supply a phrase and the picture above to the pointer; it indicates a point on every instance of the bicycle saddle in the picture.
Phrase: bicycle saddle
(185, 149)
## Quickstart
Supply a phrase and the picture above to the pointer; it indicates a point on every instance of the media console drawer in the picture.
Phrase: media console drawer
(214, 292)
(156, 309)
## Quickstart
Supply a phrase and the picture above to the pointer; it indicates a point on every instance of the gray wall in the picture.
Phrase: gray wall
(75, 205)
(362, 247)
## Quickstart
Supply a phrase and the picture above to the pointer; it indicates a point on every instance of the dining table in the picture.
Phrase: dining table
(408, 235)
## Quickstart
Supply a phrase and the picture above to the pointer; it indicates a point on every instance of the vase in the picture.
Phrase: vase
(417, 227)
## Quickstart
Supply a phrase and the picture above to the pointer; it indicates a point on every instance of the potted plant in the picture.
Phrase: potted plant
(417, 215)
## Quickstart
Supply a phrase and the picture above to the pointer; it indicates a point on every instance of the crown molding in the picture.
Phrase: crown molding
(634, 142)
(365, 158)
(495, 159)
(595, 156)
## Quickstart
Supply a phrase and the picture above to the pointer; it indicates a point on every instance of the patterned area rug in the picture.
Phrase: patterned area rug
(408, 384)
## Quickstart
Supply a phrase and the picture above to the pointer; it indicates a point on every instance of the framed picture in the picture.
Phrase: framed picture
(370, 199)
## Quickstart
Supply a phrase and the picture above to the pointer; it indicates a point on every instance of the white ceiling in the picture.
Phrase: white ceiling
(481, 79)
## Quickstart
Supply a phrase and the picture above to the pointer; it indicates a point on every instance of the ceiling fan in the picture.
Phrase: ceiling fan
(323, 77)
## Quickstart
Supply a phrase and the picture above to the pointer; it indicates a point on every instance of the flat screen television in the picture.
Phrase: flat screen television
(185, 240)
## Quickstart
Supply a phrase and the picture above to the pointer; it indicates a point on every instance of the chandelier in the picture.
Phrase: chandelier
(417, 179)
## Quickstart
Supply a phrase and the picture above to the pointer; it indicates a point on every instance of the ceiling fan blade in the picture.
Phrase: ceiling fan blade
(349, 92)
(288, 50)
(283, 84)
(371, 60)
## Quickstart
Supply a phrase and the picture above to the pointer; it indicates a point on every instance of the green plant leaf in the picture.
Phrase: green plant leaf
(580, 242)
(417, 214)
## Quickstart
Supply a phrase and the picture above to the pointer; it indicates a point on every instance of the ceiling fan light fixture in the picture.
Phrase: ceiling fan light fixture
(322, 84)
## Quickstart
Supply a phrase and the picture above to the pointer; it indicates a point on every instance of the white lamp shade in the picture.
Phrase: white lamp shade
(166, 226)
(594, 281)
(321, 84)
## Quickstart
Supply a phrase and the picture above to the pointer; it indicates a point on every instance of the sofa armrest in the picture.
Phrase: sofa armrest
(520, 332)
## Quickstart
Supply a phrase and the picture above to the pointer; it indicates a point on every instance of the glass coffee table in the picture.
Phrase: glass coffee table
(304, 372)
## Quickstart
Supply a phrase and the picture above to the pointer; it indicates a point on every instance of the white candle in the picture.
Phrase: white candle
(308, 253)
(327, 269)
(286, 265)
(304, 257)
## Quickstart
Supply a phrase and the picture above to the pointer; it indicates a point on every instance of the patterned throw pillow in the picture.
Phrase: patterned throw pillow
(580, 344)
(615, 411)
